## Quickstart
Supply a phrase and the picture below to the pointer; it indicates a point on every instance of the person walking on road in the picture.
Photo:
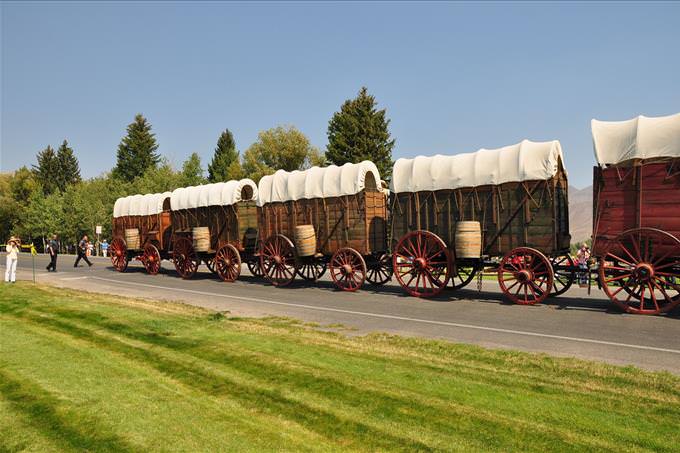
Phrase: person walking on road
(12, 258)
(82, 251)
(105, 248)
(53, 248)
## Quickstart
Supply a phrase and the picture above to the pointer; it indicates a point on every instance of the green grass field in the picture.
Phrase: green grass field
(99, 373)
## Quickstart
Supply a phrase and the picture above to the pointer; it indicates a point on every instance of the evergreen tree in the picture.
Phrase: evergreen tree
(192, 172)
(224, 158)
(47, 170)
(69, 170)
(136, 151)
(359, 132)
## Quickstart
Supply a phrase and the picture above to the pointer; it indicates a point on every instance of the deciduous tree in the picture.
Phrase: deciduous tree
(192, 171)
(279, 148)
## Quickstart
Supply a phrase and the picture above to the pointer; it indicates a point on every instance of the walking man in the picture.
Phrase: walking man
(53, 247)
(12, 258)
(82, 251)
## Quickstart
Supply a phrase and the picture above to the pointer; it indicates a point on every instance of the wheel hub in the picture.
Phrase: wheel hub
(420, 263)
(278, 259)
(643, 272)
(347, 269)
(524, 276)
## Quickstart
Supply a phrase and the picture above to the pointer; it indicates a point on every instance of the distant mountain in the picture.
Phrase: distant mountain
(580, 213)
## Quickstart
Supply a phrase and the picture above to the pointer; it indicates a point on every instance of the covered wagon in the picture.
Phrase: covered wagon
(215, 224)
(141, 230)
(331, 217)
(636, 204)
(504, 208)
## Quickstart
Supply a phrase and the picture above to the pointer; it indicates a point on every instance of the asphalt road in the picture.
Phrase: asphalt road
(574, 324)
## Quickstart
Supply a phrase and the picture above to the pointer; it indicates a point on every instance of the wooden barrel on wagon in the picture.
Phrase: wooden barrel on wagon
(516, 194)
(305, 240)
(201, 238)
(331, 217)
(636, 226)
(468, 239)
(132, 238)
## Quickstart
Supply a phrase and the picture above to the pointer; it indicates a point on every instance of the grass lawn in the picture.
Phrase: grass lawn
(99, 373)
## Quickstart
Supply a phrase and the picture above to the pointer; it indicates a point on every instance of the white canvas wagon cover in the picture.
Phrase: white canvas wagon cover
(317, 182)
(639, 138)
(525, 161)
(135, 205)
(217, 194)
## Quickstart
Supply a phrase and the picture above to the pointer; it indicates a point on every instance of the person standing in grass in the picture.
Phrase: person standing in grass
(53, 248)
(12, 259)
(82, 251)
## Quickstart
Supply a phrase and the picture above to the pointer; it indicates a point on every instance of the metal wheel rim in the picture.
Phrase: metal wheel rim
(254, 268)
(119, 258)
(462, 278)
(278, 260)
(311, 271)
(658, 294)
(152, 259)
(379, 269)
(437, 263)
(514, 268)
(347, 269)
(227, 263)
(562, 280)
(185, 258)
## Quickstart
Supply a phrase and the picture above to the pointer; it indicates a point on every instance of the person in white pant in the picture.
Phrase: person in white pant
(12, 258)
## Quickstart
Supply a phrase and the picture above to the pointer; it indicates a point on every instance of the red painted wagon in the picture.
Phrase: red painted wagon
(215, 224)
(339, 217)
(506, 209)
(636, 203)
(141, 230)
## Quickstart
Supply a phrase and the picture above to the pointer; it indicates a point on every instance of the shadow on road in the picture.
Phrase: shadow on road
(563, 302)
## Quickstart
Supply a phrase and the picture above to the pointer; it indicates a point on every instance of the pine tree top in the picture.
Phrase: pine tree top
(359, 131)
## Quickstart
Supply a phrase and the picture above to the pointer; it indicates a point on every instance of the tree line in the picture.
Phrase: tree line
(51, 197)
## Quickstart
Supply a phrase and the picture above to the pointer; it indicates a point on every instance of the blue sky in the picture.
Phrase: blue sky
(454, 77)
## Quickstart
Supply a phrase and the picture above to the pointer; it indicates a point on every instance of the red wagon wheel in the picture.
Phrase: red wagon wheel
(644, 263)
(348, 269)
(421, 263)
(227, 263)
(379, 268)
(465, 273)
(525, 276)
(278, 260)
(185, 258)
(564, 278)
(254, 267)
(151, 259)
(312, 270)
(119, 258)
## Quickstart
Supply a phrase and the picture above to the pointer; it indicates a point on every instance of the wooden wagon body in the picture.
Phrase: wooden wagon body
(518, 194)
(148, 218)
(347, 209)
(227, 214)
(636, 212)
